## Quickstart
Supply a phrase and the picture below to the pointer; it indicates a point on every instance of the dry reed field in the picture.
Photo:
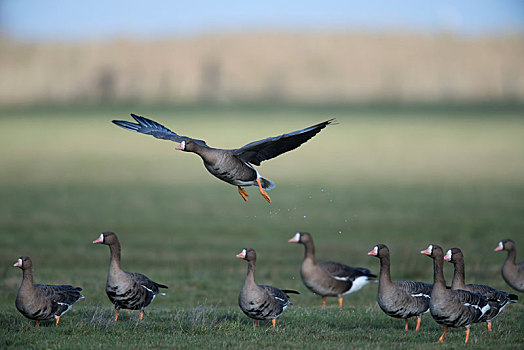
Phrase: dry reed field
(270, 66)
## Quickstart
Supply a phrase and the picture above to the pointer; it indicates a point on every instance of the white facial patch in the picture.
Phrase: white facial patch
(183, 145)
(501, 246)
(101, 237)
(297, 237)
(244, 252)
(375, 250)
(19, 262)
(430, 248)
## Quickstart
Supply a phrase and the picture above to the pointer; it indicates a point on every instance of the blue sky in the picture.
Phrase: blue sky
(76, 20)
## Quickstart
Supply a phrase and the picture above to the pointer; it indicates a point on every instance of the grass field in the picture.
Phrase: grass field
(405, 178)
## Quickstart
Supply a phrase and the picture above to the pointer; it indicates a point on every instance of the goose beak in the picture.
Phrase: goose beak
(182, 146)
(373, 252)
(447, 257)
(499, 247)
(426, 251)
(18, 263)
(100, 239)
(241, 255)
(295, 238)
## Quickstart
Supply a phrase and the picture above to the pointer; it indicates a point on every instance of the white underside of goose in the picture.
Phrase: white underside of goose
(358, 283)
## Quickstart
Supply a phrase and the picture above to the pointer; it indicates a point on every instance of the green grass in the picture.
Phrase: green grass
(406, 181)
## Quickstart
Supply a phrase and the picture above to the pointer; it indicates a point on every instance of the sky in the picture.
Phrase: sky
(69, 20)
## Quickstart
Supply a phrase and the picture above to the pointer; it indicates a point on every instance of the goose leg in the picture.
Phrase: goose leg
(406, 326)
(274, 322)
(57, 320)
(116, 314)
(418, 323)
(489, 325)
(340, 302)
(263, 192)
(141, 315)
(324, 302)
(243, 193)
(441, 339)
(467, 335)
(37, 323)
(255, 324)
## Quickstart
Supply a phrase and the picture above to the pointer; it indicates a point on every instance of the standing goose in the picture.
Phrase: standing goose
(126, 290)
(234, 166)
(260, 302)
(400, 299)
(327, 278)
(512, 272)
(497, 298)
(43, 302)
(452, 308)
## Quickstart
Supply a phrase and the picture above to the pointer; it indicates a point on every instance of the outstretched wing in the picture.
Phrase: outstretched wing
(258, 151)
(150, 127)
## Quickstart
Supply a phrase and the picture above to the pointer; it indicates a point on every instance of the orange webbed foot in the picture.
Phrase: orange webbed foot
(243, 193)
(263, 192)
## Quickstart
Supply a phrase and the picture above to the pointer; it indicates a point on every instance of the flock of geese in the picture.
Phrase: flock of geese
(460, 305)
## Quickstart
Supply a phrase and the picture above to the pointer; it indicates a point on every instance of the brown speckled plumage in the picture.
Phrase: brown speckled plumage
(327, 278)
(234, 166)
(512, 271)
(126, 290)
(400, 299)
(42, 302)
(260, 302)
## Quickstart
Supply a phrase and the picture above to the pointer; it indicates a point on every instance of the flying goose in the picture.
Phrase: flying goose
(126, 290)
(260, 302)
(400, 299)
(43, 302)
(234, 166)
(327, 278)
(512, 271)
(497, 299)
(452, 308)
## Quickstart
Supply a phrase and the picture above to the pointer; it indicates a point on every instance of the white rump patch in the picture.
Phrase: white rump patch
(358, 283)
